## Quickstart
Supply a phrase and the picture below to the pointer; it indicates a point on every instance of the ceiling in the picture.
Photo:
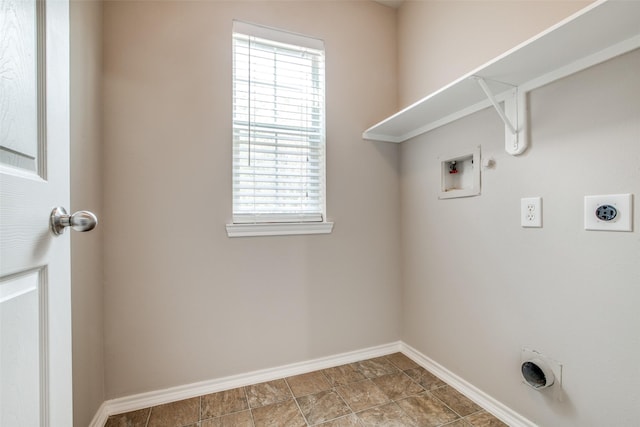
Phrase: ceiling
(391, 3)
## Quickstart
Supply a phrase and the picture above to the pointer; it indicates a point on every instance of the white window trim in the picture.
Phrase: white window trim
(278, 35)
(279, 229)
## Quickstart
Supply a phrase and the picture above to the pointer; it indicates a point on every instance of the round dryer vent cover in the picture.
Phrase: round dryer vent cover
(537, 374)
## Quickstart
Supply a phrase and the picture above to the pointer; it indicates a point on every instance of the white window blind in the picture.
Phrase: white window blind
(278, 126)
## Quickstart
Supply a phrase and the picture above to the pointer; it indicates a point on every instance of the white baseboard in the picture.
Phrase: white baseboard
(153, 398)
(499, 410)
(100, 418)
(159, 397)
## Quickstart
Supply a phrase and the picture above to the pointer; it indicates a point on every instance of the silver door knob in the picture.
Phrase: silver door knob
(79, 221)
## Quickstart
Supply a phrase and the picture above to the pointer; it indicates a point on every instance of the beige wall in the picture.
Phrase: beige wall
(440, 41)
(183, 301)
(477, 287)
(86, 194)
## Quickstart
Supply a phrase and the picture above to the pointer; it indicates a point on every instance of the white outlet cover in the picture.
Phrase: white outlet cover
(531, 212)
(623, 220)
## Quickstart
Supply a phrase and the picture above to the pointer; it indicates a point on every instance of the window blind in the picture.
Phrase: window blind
(278, 126)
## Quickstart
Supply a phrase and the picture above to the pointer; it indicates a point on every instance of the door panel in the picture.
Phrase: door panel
(19, 22)
(23, 335)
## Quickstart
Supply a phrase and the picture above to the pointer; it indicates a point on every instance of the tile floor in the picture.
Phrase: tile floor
(384, 391)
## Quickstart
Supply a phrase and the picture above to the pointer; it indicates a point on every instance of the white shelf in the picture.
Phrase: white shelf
(599, 32)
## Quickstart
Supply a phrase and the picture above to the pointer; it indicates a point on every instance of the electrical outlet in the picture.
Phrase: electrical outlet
(531, 212)
(611, 212)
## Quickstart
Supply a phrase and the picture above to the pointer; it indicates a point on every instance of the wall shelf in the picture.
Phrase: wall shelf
(601, 31)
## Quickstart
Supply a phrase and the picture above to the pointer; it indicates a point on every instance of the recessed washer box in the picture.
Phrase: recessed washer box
(613, 212)
(460, 174)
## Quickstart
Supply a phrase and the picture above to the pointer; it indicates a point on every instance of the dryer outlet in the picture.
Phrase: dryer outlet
(613, 212)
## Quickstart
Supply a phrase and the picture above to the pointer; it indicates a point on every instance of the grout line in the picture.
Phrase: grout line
(146, 424)
(296, 402)
(453, 422)
(246, 396)
(445, 404)
(326, 377)
(345, 402)
(448, 406)
(376, 406)
(414, 381)
(335, 389)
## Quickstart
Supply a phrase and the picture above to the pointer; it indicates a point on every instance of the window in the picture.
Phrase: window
(278, 130)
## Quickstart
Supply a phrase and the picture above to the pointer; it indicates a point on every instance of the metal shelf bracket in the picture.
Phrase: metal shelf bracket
(514, 115)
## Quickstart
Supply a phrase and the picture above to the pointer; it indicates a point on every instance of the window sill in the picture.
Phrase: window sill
(278, 229)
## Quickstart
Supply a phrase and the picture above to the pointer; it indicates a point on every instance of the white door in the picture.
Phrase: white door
(35, 306)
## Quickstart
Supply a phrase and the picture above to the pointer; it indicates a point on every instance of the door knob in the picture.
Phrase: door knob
(79, 221)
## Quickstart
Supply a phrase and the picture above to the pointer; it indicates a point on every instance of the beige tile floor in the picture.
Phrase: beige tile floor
(384, 391)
